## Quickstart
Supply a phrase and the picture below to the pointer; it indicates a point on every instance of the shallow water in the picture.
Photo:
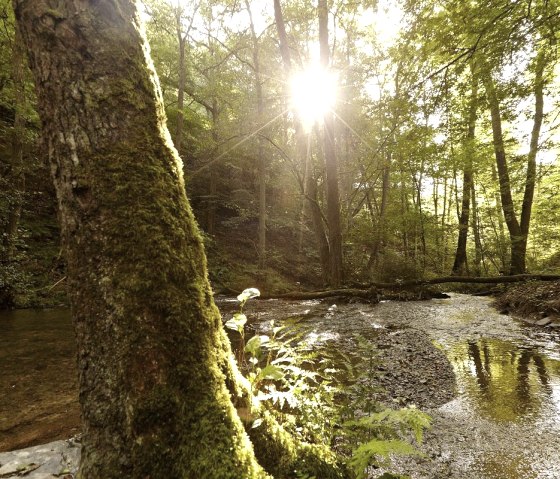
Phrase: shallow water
(38, 384)
(505, 421)
(503, 424)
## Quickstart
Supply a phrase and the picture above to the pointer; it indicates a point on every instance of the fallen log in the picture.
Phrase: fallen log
(371, 291)
(369, 294)
(516, 278)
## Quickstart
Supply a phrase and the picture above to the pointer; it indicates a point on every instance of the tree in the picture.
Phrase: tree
(460, 263)
(157, 379)
(12, 165)
(261, 164)
(182, 37)
(331, 165)
(518, 229)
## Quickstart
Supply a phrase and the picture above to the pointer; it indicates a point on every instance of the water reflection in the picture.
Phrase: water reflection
(505, 381)
(504, 466)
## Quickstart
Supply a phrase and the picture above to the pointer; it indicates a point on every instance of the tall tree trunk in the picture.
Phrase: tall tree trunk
(261, 164)
(304, 158)
(155, 367)
(530, 180)
(478, 252)
(419, 221)
(213, 180)
(16, 174)
(460, 263)
(404, 211)
(310, 206)
(517, 262)
(519, 231)
(381, 226)
(283, 38)
(318, 228)
(333, 197)
(182, 79)
(499, 231)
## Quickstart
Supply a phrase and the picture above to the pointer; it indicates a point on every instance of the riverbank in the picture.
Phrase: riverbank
(488, 380)
(537, 302)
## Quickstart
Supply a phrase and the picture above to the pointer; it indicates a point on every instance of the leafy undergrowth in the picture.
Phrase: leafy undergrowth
(322, 396)
(532, 299)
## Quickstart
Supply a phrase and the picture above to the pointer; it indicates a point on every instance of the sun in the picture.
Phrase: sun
(313, 94)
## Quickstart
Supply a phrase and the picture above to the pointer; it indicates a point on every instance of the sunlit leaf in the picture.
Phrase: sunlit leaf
(254, 344)
(237, 322)
(271, 372)
(248, 294)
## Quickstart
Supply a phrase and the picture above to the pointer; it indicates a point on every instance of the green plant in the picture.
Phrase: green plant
(287, 377)
(238, 321)
(326, 396)
(384, 433)
(371, 432)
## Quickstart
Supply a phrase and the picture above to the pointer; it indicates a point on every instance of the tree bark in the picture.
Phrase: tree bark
(282, 38)
(181, 38)
(16, 173)
(531, 173)
(318, 227)
(156, 372)
(310, 206)
(517, 263)
(333, 197)
(381, 223)
(518, 230)
(460, 263)
(478, 252)
(261, 164)
(213, 180)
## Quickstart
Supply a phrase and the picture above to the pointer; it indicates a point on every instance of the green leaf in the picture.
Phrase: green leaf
(248, 294)
(237, 322)
(271, 372)
(254, 344)
(371, 453)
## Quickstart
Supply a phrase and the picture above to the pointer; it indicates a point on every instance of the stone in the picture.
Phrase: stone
(49, 461)
(543, 322)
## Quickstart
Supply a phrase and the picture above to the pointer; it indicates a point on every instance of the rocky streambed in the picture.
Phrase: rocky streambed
(491, 383)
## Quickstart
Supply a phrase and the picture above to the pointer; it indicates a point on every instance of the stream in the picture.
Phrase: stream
(497, 418)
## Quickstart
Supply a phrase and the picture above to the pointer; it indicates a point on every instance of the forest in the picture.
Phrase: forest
(154, 154)
(438, 155)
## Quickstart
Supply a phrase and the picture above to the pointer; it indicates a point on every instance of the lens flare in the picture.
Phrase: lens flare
(313, 94)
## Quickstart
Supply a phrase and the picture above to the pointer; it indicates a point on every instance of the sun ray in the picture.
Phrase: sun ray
(362, 139)
(237, 145)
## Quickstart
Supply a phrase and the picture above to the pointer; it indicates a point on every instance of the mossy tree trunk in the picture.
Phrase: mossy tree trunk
(16, 173)
(155, 366)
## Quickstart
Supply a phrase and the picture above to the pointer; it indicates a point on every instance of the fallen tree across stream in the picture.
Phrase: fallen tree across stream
(371, 291)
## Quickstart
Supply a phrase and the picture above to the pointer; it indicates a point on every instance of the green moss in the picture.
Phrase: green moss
(56, 14)
(319, 461)
(154, 361)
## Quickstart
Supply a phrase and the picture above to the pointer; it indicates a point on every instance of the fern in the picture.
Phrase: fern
(313, 392)
(376, 452)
